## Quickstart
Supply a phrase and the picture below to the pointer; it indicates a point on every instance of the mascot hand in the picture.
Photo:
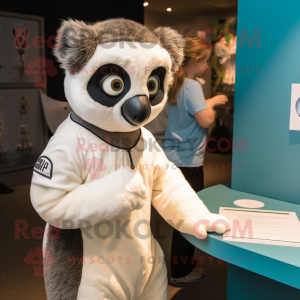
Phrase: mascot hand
(211, 223)
(133, 193)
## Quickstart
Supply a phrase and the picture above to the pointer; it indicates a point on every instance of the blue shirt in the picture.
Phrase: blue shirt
(185, 138)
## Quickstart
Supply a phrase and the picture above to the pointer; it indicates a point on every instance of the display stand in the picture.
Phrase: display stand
(255, 271)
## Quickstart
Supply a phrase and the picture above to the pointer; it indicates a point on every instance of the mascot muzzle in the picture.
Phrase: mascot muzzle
(136, 109)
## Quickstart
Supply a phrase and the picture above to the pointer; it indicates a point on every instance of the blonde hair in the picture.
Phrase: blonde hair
(194, 47)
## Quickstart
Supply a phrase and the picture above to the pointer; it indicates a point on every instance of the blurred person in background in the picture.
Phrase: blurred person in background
(189, 116)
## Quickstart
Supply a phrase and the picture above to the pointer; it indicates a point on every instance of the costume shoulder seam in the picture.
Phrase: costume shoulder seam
(147, 131)
(70, 145)
(150, 135)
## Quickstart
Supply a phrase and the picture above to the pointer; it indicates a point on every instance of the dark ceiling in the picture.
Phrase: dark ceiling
(190, 6)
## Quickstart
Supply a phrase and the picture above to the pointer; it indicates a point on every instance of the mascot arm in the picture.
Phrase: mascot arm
(179, 205)
(63, 200)
(91, 203)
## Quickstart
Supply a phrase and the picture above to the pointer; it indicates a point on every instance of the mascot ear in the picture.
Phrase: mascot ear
(173, 42)
(75, 45)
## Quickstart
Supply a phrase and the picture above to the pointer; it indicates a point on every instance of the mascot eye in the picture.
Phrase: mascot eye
(153, 85)
(112, 85)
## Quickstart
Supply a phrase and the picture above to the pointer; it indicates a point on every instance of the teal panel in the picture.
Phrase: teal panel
(267, 66)
(279, 263)
(246, 285)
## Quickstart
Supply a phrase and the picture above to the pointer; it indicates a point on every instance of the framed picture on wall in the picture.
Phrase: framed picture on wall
(22, 50)
(22, 128)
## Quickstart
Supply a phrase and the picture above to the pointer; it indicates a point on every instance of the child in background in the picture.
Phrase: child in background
(189, 116)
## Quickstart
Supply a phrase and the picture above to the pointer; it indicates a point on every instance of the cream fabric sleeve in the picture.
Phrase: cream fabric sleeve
(178, 204)
(63, 201)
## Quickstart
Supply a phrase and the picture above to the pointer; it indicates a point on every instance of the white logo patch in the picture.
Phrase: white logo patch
(44, 167)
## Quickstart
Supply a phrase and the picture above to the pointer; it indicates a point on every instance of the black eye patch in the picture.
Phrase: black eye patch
(160, 73)
(97, 93)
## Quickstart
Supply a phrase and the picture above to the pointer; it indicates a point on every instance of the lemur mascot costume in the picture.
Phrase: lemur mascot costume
(101, 171)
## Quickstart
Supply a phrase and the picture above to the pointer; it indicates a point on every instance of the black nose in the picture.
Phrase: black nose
(136, 110)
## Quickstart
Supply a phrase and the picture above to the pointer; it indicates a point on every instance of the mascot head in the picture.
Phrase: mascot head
(118, 72)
